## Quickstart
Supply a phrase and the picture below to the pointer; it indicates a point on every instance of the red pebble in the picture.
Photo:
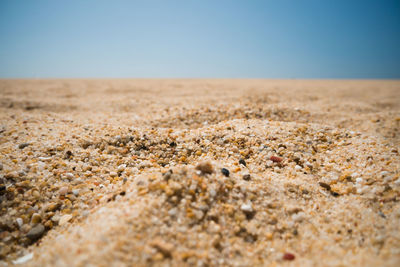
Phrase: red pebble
(275, 159)
(288, 256)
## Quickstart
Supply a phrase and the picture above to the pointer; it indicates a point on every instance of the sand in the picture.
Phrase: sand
(199, 172)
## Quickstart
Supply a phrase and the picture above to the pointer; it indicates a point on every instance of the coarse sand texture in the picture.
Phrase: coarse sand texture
(199, 173)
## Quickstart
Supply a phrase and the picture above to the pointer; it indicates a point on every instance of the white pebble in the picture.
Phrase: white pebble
(75, 192)
(69, 175)
(298, 217)
(23, 259)
(173, 212)
(213, 227)
(64, 219)
(359, 180)
(384, 173)
(213, 193)
(246, 207)
(44, 158)
(20, 222)
(121, 167)
(297, 168)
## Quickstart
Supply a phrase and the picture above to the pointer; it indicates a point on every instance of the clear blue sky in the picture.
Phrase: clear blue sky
(209, 39)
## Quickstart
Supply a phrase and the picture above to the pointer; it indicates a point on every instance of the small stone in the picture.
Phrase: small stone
(246, 177)
(173, 212)
(384, 173)
(113, 174)
(288, 256)
(121, 168)
(225, 172)
(325, 185)
(1, 167)
(359, 180)
(297, 168)
(164, 248)
(23, 145)
(276, 159)
(246, 208)
(63, 190)
(48, 224)
(68, 154)
(241, 161)
(167, 175)
(205, 168)
(20, 222)
(64, 219)
(36, 218)
(214, 227)
(36, 232)
(52, 206)
(69, 176)
(75, 192)
(23, 259)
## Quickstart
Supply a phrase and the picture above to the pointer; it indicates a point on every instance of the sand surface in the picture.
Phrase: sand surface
(199, 173)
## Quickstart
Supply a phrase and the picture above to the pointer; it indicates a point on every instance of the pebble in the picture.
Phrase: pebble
(241, 161)
(276, 159)
(44, 158)
(205, 167)
(64, 219)
(359, 180)
(36, 218)
(36, 232)
(288, 256)
(121, 167)
(69, 176)
(247, 208)
(23, 145)
(384, 173)
(20, 222)
(164, 248)
(325, 185)
(246, 177)
(23, 259)
(63, 190)
(75, 192)
(297, 168)
(225, 172)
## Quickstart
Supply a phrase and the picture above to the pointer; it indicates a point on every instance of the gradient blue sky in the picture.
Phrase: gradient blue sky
(205, 39)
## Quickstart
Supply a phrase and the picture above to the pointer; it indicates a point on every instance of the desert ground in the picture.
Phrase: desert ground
(199, 172)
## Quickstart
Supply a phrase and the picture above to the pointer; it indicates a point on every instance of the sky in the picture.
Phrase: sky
(298, 39)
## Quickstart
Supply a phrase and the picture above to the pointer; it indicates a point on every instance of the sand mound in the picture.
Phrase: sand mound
(183, 175)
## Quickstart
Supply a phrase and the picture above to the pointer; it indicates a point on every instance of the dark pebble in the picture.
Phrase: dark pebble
(167, 175)
(36, 232)
(325, 185)
(241, 161)
(23, 145)
(225, 172)
(68, 154)
(288, 256)
(172, 144)
(246, 177)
